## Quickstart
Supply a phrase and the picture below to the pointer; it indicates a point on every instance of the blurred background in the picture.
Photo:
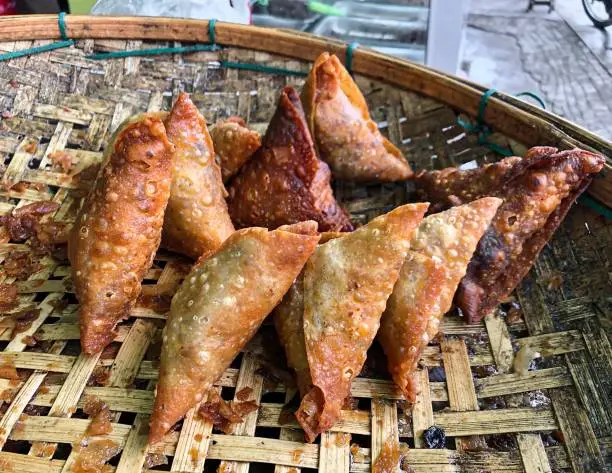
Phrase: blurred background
(551, 48)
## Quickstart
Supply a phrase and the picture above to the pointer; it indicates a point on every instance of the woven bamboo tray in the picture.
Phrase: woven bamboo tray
(557, 418)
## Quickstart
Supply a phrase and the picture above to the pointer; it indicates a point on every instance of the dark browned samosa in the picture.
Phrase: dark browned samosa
(537, 190)
(285, 182)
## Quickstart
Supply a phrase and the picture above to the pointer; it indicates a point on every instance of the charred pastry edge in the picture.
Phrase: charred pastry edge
(471, 295)
(289, 110)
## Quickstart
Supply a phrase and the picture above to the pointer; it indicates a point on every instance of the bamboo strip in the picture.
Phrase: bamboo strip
(14, 171)
(67, 398)
(264, 450)
(384, 425)
(70, 331)
(193, 443)
(556, 343)
(334, 453)
(289, 434)
(533, 453)
(585, 381)
(58, 142)
(247, 378)
(503, 384)
(122, 374)
(25, 464)
(460, 386)
(581, 443)
(499, 338)
(422, 412)
(461, 424)
(62, 430)
(66, 114)
(135, 449)
(127, 362)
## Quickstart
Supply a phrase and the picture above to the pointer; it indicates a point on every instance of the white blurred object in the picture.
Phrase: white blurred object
(447, 19)
(235, 11)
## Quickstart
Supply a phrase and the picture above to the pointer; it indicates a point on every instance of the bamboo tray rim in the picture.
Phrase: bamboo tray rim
(464, 94)
(491, 343)
(515, 118)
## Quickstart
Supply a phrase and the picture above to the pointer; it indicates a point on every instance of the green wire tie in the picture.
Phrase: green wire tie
(483, 133)
(259, 68)
(168, 50)
(350, 52)
(483, 130)
(212, 35)
(64, 43)
(596, 206)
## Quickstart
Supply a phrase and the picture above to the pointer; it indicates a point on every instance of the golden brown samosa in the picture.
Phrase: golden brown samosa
(118, 229)
(289, 324)
(538, 191)
(440, 251)
(346, 285)
(234, 144)
(285, 182)
(197, 220)
(218, 308)
(345, 136)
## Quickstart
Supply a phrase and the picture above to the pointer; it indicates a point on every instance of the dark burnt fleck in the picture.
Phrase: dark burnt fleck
(435, 437)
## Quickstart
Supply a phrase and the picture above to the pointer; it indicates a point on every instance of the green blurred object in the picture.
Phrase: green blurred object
(81, 7)
(324, 9)
(84, 6)
(313, 5)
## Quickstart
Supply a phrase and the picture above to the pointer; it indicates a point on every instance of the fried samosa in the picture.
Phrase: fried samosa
(346, 285)
(196, 220)
(345, 136)
(218, 308)
(537, 190)
(118, 229)
(289, 324)
(234, 144)
(285, 182)
(440, 251)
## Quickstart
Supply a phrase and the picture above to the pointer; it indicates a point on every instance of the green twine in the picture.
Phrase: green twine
(61, 24)
(259, 68)
(66, 42)
(169, 50)
(596, 206)
(154, 51)
(483, 130)
(533, 96)
(212, 38)
(350, 51)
